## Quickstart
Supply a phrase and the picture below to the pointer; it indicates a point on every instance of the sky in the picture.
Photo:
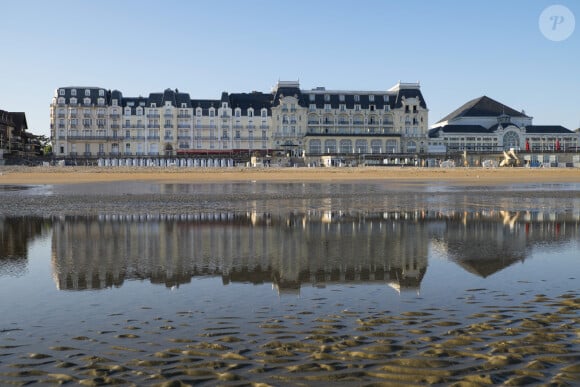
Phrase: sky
(458, 50)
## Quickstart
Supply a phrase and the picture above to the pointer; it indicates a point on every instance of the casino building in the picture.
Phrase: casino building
(93, 122)
(486, 125)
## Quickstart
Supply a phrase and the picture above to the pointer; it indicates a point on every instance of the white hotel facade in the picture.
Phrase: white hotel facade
(92, 122)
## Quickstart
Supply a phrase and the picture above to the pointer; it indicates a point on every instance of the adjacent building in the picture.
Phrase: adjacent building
(14, 140)
(96, 122)
(485, 125)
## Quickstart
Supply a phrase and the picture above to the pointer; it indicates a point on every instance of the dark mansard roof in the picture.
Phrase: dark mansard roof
(482, 107)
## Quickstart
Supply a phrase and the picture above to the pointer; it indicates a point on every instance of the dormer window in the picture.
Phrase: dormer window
(153, 105)
(73, 92)
(139, 111)
(101, 101)
(127, 111)
(73, 101)
(87, 101)
(224, 105)
(371, 98)
(250, 112)
(101, 93)
(87, 93)
(167, 103)
(211, 112)
(238, 112)
(183, 105)
(326, 97)
(264, 113)
(198, 111)
(356, 98)
(312, 97)
(114, 102)
(60, 91)
(341, 97)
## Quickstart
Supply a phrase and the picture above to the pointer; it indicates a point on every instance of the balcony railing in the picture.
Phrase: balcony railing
(153, 115)
(153, 137)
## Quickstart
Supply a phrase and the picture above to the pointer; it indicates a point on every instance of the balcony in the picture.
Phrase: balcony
(168, 138)
(87, 154)
(184, 137)
(115, 126)
(153, 126)
(153, 115)
(153, 138)
(115, 116)
(181, 115)
(168, 126)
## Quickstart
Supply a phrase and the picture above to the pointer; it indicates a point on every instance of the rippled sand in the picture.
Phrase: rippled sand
(536, 342)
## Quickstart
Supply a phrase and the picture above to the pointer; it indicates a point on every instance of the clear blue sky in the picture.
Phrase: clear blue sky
(458, 50)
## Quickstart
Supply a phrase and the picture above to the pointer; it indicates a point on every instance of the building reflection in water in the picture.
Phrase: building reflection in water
(316, 247)
(15, 236)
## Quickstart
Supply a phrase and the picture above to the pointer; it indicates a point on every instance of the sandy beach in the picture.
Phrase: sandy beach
(467, 176)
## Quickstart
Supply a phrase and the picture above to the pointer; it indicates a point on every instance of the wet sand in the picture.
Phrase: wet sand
(467, 176)
(533, 342)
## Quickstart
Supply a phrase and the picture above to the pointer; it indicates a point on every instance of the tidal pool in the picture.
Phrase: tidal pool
(304, 285)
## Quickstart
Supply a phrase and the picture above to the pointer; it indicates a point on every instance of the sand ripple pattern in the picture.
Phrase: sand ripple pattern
(536, 342)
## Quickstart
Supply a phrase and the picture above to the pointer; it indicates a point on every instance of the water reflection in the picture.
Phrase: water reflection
(15, 236)
(312, 247)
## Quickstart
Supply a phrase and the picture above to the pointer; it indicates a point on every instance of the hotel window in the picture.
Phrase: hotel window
(139, 111)
(326, 97)
(114, 102)
(87, 92)
(61, 101)
(198, 112)
(101, 93)
(238, 112)
(342, 107)
(327, 106)
(250, 112)
(312, 107)
(264, 113)
(73, 101)
(341, 98)
(211, 112)
(371, 98)
(357, 107)
(127, 111)
(357, 98)
(60, 91)
(101, 101)
(87, 101)
(312, 97)
(73, 92)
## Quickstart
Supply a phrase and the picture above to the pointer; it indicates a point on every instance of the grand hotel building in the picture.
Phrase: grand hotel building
(95, 122)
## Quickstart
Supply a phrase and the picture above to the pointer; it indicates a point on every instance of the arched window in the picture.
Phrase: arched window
(511, 140)
(345, 146)
(330, 146)
(314, 147)
(361, 146)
